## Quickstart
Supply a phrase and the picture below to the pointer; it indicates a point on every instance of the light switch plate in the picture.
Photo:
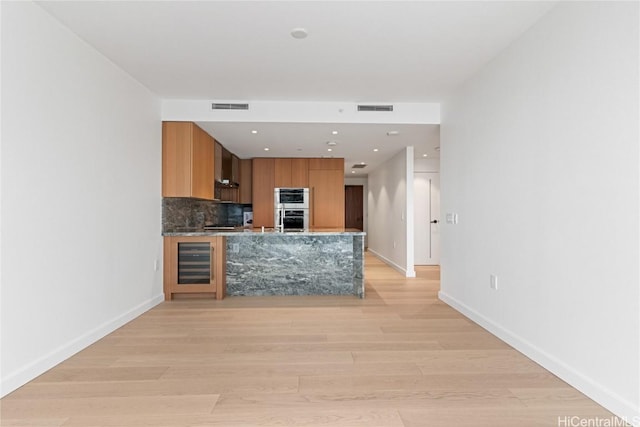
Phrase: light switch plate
(493, 282)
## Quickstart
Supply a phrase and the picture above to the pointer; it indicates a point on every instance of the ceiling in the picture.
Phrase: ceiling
(356, 51)
(311, 140)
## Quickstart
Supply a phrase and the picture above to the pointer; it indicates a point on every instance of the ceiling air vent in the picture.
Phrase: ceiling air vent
(358, 166)
(375, 107)
(227, 106)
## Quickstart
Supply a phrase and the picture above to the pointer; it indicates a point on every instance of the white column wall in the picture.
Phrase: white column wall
(390, 207)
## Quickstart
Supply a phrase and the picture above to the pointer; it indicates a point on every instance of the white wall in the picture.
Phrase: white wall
(81, 157)
(426, 165)
(299, 112)
(540, 159)
(390, 208)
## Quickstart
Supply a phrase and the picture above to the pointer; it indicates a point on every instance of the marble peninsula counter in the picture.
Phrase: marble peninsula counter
(316, 262)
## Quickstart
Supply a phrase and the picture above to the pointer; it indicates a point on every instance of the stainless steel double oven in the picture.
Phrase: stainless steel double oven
(291, 209)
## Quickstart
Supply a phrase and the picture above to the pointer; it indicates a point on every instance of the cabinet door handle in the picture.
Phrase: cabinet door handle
(212, 264)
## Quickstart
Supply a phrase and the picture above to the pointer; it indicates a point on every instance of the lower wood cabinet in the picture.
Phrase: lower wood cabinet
(194, 265)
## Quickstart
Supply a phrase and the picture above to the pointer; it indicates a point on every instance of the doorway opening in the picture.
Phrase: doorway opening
(354, 207)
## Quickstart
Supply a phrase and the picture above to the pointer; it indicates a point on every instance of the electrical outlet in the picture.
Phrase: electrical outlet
(493, 282)
(235, 248)
(155, 265)
(394, 244)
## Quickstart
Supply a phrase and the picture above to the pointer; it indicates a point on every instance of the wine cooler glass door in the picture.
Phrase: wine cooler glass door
(194, 263)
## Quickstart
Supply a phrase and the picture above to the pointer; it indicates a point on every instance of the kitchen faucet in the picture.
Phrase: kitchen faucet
(280, 224)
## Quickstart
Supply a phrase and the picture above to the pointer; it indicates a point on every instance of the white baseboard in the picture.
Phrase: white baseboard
(18, 378)
(623, 408)
(393, 264)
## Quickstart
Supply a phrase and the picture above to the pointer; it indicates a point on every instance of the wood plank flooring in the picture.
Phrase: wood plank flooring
(398, 358)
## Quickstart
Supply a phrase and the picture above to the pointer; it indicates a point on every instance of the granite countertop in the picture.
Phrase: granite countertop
(257, 231)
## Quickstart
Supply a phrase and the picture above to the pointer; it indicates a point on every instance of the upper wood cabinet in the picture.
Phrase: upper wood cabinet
(246, 166)
(292, 172)
(235, 169)
(282, 172)
(187, 161)
(218, 162)
(300, 173)
(263, 184)
(326, 164)
(226, 164)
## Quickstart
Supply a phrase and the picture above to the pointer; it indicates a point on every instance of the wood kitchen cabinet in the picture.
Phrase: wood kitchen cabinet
(227, 167)
(245, 166)
(282, 173)
(263, 184)
(235, 169)
(300, 173)
(324, 178)
(218, 162)
(226, 164)
(292, 172)
(194, 265)
(326, 164)
(326, 187)
(187, 161)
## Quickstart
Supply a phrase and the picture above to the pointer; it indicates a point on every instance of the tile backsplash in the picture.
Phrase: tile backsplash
(183, 213)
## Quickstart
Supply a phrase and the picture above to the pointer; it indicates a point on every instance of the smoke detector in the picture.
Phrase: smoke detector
(332, 143)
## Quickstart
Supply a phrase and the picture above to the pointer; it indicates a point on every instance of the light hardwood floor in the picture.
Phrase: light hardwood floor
(398, 358)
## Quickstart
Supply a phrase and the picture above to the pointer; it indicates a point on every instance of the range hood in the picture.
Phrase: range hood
(225, 183)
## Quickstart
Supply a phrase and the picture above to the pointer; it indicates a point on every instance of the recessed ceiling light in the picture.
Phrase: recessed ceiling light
(335, 132)
(329, 149)
(299, 33)
(353, 171)
(393, 133)
(375, 149)
(362, 163)
(266, 148)
(254, 132)
(425, 155)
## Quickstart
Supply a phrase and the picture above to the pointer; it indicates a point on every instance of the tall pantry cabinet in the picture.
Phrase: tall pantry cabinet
(326, 186)
(262, 186)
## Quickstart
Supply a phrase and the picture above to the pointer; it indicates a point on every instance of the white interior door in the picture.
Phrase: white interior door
(426, 196)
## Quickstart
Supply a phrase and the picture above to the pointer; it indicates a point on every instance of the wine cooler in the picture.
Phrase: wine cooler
(194, 265)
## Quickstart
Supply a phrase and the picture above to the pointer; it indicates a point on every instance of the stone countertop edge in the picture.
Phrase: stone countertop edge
(258, 232)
